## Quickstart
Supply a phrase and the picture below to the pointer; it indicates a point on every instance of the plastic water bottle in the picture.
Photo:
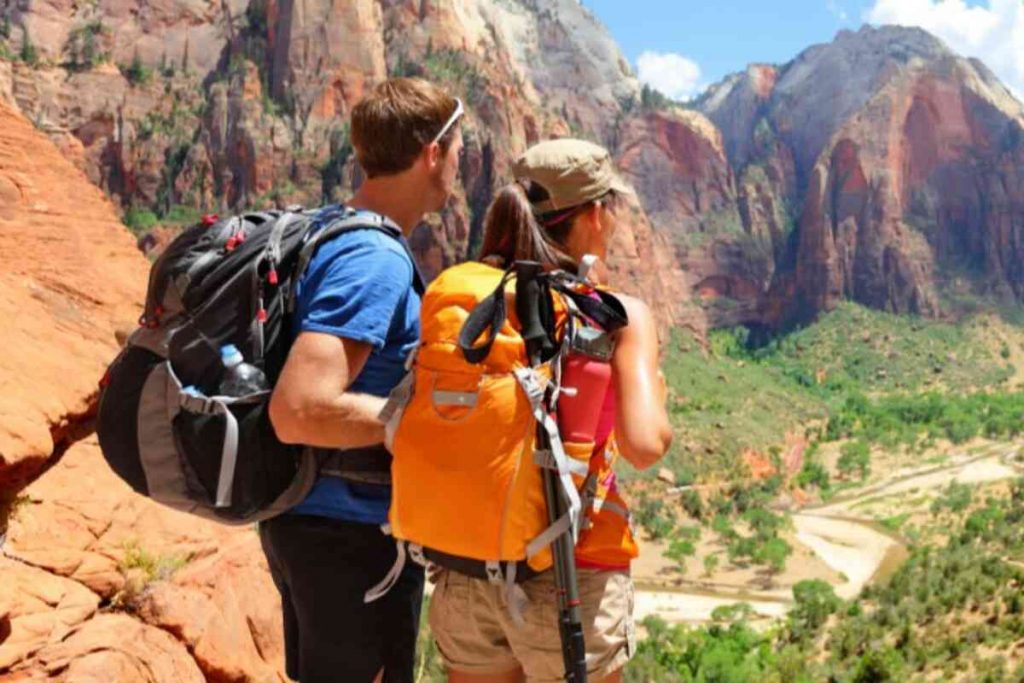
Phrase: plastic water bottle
(240, 378)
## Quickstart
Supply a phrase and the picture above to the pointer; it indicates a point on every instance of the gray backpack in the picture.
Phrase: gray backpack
(220, 282)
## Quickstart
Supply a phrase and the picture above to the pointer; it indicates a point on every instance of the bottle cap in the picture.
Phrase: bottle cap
(230, 352)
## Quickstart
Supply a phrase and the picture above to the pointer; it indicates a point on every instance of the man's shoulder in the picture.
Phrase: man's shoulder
(366, 241)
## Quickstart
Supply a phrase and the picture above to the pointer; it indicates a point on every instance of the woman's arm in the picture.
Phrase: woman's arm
(642, 428)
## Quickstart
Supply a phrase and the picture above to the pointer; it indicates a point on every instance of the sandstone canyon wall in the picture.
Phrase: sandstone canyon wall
(880, 167)
(97, 583)
(177, 109)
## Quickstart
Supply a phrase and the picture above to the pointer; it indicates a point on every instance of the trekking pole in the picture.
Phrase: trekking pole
(570, 626)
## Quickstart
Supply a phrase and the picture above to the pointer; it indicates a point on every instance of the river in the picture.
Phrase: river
(861, 549)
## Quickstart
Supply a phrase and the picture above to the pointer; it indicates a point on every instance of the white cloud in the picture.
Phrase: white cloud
(992, 31)
(672, 74)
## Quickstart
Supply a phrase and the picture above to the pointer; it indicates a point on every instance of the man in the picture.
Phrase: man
(356, 319)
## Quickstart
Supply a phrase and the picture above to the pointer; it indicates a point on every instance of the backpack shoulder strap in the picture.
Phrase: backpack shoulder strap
(366, 220)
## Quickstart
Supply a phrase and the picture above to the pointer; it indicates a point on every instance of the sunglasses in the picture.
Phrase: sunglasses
(456, 115)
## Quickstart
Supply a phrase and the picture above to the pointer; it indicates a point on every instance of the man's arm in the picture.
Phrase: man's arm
(311, 403)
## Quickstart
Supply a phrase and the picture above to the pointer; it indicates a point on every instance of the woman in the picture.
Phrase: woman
(565, 204)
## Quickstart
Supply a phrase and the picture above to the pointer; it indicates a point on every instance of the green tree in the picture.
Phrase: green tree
(722, 526)
(28, 50)
(855, 456)
(763, 522)
(955, 498)
(814, 474)
(710, 564)
(879, 666)
(815, 601)
(139, 220)
(138, 73)
(655, 517)
(738, 611)
(680, 549)
(5, 28)
(742, 550)
(774, 554)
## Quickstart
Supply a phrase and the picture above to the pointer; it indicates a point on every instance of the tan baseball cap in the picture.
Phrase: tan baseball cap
(572, 171)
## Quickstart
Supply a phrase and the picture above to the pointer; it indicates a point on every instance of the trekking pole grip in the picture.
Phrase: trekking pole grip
(528, 293)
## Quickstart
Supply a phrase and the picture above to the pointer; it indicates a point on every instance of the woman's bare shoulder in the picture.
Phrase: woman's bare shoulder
(637, 310)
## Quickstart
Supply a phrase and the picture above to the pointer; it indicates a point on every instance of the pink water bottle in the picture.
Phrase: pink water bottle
(586, 376)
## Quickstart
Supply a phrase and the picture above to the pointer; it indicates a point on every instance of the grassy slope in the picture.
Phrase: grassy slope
(731, 398)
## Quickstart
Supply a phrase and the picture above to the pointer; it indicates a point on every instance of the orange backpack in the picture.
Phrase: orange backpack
(467, 490)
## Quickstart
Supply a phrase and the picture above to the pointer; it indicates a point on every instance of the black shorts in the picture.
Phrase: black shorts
(322, 568)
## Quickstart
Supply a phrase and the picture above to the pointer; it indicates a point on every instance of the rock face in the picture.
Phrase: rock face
(254, 111)
(880, 167)
(97, 583)
(677, 161)
(906, 160)
(83, 540)
(72, 277)
(118, 649)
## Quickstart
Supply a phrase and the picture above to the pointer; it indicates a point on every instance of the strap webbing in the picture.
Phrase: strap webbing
(353, 220)
(548, 536)
(390, 579)
(546, 459)
(487, 316)
(531, 384)
(228, 456)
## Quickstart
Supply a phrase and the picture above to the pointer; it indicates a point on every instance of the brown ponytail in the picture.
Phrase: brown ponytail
(512, 233)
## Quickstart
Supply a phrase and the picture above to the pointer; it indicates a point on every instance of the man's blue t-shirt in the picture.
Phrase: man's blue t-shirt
(359, 286)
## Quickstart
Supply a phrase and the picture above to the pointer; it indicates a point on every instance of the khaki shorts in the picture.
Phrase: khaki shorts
(475, 632)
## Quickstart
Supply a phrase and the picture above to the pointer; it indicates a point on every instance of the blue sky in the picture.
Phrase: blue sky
(690, 44)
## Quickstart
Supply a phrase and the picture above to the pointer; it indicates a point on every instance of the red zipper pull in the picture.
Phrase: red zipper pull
(208, 219)
(261, 312)
(272, 276)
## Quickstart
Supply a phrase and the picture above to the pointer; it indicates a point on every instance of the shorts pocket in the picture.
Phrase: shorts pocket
(450, 601)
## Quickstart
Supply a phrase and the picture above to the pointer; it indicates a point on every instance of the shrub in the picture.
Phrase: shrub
(137, 73)
(657, 519)
(82, 46)
(815, 602)
(739, 611)
(773, 554)
(139, 220)
(956, 498)
(679, 550)
(28, 53)
(855, 456)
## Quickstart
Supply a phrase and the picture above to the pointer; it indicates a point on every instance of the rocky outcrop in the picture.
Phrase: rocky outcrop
(265, 122)
(324, 54)
(40, 608)
(750, 193)
(116, 648)
(72, 277)
(97, 582)
(678, 163)
(82, 540)
(906, 161)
